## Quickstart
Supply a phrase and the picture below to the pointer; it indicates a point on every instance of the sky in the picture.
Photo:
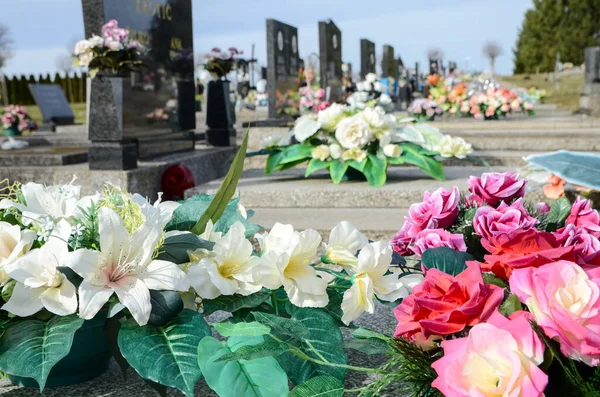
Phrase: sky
(44, 30)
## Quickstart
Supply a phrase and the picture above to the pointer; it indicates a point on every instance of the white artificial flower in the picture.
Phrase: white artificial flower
(330, 117)
(356, 102)
(344, 241)
(450, 146)
(305, 127)
(375, 117)
(85, 59)
(385, 139)
(123, 266)
(369, 279)
(14, 243)
(377, 86)
(160, 210)
(82, 47)
(96, 41)
(354, 154)
(229, 270)
(335, 151)
(421, 134)
(385, 99)
(286, 261)
(78, 230)
(392, 150)
(113, 44)
(321, 152)
(371, 78)
(269, 142)
(360, 86)
(353, 132)
(209, 234)
(39, 282)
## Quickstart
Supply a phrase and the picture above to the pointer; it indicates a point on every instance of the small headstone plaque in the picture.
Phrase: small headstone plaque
(282, 72)
(330, 49)
(388, 63)
(367, 58)
(53, 104)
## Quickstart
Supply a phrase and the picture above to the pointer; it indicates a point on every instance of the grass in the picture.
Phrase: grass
(79, 110)
(565, 97)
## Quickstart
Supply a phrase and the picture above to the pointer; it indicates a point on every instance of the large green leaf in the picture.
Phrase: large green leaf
(273, 162)
(253, 328)
(233, 303)
(415, 155)
(446, 260)
(576, 168)
(261, 377)
(168, 354)
(295, 153)
(337, 170)
(291, 329)
(321, 386)
(333, 308)
(225, 192)
(270, 348)
(175, 248)
(559, 212)
(315, 165)
(30, 348)
(376, 170)
(323, 335)
(166, 305)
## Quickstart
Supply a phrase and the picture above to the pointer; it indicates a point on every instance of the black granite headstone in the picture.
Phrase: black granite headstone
(330, 56)
(452, 66)
(157, 104)
(434, 67)
(53, 103)
(282, 72)
(417, 77)
(367, 58)
(388, 63)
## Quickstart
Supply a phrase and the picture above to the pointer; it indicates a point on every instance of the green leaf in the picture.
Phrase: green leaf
(175, 249)
(265, 349)
(333, 308)
(337, 170)
(295, 153)
(290, 328)
(225, 192)
(315, 165)
(273, 162)
(233, 303)
(376, 170)
(363, 333)
(357, 165)
(261, 377)
(368, 346)
(490, 278)
(559, 212)
(396, 160)
(111, 334)
(446, 260)
(166, 305)
(166, 355)
(510, 305)
(581, 169)
(253, 328)
(321, 386)
(30, 348)
(412, 154)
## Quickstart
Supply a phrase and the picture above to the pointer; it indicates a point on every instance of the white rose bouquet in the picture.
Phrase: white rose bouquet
(360, 144)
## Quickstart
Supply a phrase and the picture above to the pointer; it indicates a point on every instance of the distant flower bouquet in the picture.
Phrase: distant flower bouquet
(112, 52)
(355, 143)
(370, 93)
(495, 103)
(425, 109)
(220, 63)
(16, 121)
(312, 100)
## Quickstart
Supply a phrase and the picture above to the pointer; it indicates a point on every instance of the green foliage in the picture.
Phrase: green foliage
(261, 377)
(422, 158)
(376, 170)
(552, 27)
(175, 248)
(168, 354)
(251, 352)
(446, 260)
(555, 219)
(315, 165)
(510, 305)
(166, 305)
(322, 386)
(233, 303)
(30, 348)
(287, 157)
(254, 328)
(337, 170)
(224, 194)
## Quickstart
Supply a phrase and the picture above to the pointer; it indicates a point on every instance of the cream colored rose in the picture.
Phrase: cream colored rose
(14, 243)
(450, 146)
(353, 132)
(82, 47)
(335, 151)
(354, 154)
(375, 117)
(305, 127)
(330, 117)
(321, 152)
(392, 150)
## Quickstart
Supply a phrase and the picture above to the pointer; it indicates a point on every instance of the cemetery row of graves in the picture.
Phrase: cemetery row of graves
(417, 232)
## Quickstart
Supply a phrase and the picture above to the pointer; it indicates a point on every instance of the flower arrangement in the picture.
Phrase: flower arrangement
(219, 63)
(425, 109)
(16, 121)
(355, 144)
(495, 103)
(370, 93)
(312, 99)
(112, 52)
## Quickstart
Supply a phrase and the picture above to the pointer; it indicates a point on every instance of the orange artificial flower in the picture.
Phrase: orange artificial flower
(433, 79)
(555, 188)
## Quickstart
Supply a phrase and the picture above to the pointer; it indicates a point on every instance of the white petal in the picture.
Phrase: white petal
(390, 288)
(57, 242)
(308, 244)
(411, 280)
(134, 295)
(308, 282)
(227, 286)
(24, 301)
(302, 299)
(200, 281)
(234, 247)
(357, 299)
(113, 234)
(346, 235)
(281, 238)
(268, 271)
(140, 247)
(375, 258)
(62, 300)
(164, 276)
(248, 288)
(91, 299)
(38, 199)
(83, 262)
(28, 268)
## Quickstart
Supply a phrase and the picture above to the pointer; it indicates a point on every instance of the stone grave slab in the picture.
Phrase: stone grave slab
(367, 58)
(388, 63)
(53, 104)
(43, 156)
(330, 56)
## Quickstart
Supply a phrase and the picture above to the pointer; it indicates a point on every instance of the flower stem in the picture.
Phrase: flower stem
(274, 302)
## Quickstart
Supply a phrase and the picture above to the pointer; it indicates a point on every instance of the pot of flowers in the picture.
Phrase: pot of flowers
(424, 109)
(16, 121)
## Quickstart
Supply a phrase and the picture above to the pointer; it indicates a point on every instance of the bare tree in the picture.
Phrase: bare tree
(492, 50)
(5, 55)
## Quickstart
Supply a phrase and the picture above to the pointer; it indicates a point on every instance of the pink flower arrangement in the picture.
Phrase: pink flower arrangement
(425, 109)
(493, 188)
(219, 63)
(17, 118)
(434, 238)
(312, 100)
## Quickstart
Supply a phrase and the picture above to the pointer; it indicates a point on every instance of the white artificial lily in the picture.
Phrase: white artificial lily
(286, 262)
(344, 241)
(163, 210)
(39, 282)
(14, 243)
(209, 234)
(369, 279)
(229, 271)
(124, 266)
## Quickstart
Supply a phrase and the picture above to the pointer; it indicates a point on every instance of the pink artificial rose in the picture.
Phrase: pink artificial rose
(493, 188)
(565, 302)
(107, 29)
(438, 210)
(434, 238)
(323, 105)
(305, 102)
(582, 215)
(586, 245)
(430, 112)
(491, 223)
(401, 243)
(417, 109)
(439, 110)
(471, 366)
(505, 108)
(542, 208)
(320, 94)
(444, 305)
